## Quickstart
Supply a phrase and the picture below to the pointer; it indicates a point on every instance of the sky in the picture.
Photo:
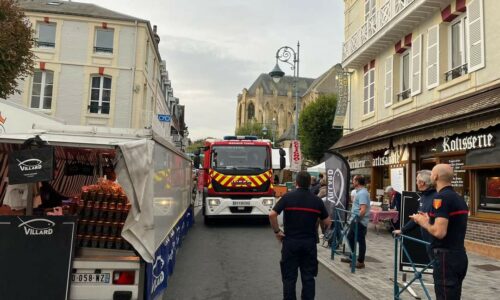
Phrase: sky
(216, 48)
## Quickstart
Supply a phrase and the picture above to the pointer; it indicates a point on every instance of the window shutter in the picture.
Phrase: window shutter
(475, 30)
(433, 57)
(388, 81)
(416, 66)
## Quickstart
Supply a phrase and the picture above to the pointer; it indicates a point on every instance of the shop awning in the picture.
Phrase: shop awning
(455, 116)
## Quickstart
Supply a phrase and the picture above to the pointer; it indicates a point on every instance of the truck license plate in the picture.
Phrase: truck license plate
(241, 203)
(90, 277)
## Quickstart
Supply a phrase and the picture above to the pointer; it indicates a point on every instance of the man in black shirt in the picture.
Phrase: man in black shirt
(447, 223)
(302, 211)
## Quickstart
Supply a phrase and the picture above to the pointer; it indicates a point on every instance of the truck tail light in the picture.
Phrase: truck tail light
(123, 277)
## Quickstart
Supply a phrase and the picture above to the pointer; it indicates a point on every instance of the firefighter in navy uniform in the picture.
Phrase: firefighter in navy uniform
(302, 211)
(447, 223)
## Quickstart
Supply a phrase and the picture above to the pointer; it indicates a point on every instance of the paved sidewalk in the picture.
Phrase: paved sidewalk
(374, 282)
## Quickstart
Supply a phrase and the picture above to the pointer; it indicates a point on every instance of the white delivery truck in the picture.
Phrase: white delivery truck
(156, 179)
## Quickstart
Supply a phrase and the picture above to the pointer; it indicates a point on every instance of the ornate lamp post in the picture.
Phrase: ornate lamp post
(284, 54)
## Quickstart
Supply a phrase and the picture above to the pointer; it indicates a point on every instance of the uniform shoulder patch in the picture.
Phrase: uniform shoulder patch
(437, 203)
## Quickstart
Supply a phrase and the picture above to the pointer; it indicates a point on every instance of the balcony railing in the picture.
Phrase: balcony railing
(404, 95)
(455, 72)
(373, 25)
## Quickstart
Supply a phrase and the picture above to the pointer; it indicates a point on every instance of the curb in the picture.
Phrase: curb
(351, 283)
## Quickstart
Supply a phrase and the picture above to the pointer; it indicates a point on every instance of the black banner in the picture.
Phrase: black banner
(410, 203)
(31, 165)
(338, 176)
(35, 257)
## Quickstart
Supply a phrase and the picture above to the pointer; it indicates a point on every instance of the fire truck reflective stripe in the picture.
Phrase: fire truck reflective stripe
(223, 182)
(256, 180)
(210, 186)
(303, 209)
(249, 179)
(263, 177)
(219, 177)
(268, 173)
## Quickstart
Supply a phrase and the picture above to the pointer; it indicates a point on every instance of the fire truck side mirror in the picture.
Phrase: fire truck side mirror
(282, 159)
(196, 152)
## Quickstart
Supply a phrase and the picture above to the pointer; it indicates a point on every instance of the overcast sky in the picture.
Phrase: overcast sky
(215, 48)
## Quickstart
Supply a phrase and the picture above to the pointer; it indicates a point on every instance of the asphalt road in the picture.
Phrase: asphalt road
(238, 259)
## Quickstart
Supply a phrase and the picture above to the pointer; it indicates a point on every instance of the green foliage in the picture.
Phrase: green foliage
(16, 40)
(315, 127)
(252, 128)
(195, 145)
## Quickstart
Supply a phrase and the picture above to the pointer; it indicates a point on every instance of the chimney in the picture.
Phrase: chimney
(156, 36)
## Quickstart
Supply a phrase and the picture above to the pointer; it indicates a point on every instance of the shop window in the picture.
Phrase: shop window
(488, 191)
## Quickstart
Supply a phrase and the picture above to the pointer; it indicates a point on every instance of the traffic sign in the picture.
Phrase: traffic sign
(164, 118)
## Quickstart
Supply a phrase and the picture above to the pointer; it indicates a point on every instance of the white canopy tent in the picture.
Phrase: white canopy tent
(321, 168)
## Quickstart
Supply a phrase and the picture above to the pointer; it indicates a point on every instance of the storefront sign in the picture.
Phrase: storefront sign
(469, 142)
(393, 158)
(36, 252)
(295, 157)
(357, 164)
(31, 165)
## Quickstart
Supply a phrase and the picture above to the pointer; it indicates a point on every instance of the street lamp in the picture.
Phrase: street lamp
(284, 54)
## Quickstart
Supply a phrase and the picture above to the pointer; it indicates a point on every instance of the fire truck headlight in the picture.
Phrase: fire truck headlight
(267, 202)
(213, 202)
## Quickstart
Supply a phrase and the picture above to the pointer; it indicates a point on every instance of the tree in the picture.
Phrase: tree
(196, 145)
(16, 41)
(252, 128)
(315, 127)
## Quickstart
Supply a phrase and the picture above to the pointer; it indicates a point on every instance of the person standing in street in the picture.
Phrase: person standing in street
(447, 223)
(394, 203)
(302, 211)
(424, 185)
(360, 209)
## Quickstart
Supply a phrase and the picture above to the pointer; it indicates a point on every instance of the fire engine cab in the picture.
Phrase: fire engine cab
(237, 177)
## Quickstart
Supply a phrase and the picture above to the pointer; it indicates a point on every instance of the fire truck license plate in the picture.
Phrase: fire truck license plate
(241, 203)
(90, 277)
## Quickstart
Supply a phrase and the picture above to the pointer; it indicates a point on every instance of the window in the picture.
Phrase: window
(369, 91)
(488, 191)
(369, 9)
(103, 40)
(250, 112)
(41, 90)
(100, 94)
(405, 76)
(458, 49)
(46, 35)
(146, 61)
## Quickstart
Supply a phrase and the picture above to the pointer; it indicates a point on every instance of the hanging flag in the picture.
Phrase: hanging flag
(338, 174)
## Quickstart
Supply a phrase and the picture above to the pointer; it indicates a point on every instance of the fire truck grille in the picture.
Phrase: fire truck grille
(241, 210)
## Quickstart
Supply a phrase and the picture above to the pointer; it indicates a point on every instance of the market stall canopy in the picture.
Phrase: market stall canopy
(317, 168)
(15, 118)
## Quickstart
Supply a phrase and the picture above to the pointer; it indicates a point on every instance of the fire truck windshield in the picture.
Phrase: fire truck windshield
(235, 159)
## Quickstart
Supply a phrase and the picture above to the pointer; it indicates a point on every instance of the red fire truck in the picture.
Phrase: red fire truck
(237, 177)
